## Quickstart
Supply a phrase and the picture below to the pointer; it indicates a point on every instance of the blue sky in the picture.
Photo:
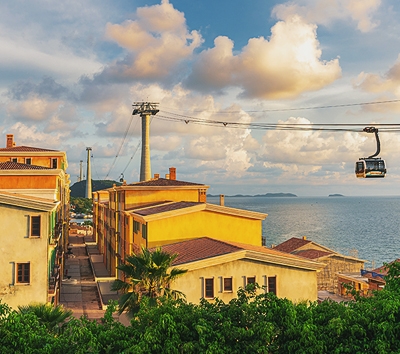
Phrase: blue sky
(70, 71)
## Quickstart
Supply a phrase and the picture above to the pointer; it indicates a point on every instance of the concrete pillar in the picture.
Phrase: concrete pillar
(88, 193)
(145, 167)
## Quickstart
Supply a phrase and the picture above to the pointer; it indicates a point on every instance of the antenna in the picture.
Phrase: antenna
(145, 110)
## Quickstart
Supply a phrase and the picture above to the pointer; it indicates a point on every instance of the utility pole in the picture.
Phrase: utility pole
(145, 109)
(88, 175)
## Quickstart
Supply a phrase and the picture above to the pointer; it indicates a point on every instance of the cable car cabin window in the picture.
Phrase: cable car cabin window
(359, 166)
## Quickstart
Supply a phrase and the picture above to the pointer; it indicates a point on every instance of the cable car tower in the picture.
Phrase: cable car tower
(145, 109)
(371, 166)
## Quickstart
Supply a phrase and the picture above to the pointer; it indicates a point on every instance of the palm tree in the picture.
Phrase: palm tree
(51, 316)
(147, 275)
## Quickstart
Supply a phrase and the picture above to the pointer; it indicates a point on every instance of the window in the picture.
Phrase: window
(136, 226)
(28, 161)
(272, 285)
(209, 288)
(144, 231)
(251, 280)
(14, 159)
(23, 273)
(35, 226)
(228, 284)
(54, 163)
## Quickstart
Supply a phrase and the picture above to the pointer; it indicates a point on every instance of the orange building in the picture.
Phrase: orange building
(28, 174)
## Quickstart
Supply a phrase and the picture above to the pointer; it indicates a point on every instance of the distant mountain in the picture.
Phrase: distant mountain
(272, 195)
(335, 195)
(78, 189)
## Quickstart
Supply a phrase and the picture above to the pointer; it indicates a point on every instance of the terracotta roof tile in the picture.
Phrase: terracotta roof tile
(291, 245)
(9, 165)
(164, 208)
(163, 182)
(197, 249)
(25, 149)
(312, 254)
(205, 247)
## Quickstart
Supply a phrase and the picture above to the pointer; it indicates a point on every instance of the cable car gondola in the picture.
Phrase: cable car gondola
(371, 167)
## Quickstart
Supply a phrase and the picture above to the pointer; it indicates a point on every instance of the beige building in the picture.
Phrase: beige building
(218, 269)
(34, 189)
(335, 262)
(28, 262)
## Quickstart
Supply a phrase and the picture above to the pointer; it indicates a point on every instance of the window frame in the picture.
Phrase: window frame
(275, 285)
(23, 268)
(251, 281)
(226, 289)
(54, 162)
(209, 293)
(35, 226)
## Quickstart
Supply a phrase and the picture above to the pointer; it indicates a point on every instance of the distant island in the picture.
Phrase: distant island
(336, 195)
(272, 195)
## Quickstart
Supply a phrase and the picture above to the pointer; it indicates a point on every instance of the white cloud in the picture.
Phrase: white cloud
(157, 42)
(388, 82)
(326, 11)
(286, 65)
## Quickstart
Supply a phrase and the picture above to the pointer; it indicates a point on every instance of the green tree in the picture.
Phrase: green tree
(81, 205)
(147, 274)
(53, 317)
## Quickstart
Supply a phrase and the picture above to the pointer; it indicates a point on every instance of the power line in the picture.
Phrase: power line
(333, 127)
(120, 147)
(308, 108)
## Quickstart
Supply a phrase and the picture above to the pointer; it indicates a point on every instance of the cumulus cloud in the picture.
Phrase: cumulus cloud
(388, 82)
(32, 109)
(33, 136)
(284, 66)
(326, 11)
(310, 148)
(156, 43)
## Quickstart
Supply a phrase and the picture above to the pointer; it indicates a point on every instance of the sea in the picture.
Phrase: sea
(364, 227)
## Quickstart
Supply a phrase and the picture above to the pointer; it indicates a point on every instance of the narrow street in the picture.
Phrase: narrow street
(79, 290)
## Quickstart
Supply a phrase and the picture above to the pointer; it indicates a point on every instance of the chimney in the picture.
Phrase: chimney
(10, 141)
(221, 200)
(172, 173)
(156, 176)
(167, 176)
(304, 237)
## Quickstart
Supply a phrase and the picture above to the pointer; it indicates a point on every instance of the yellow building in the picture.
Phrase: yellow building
(29, 252)
(29, 173)
(217, 269)
(335, 262)
(163, 211)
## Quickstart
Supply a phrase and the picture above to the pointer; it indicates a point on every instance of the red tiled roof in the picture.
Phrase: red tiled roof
(312, 254)
(291, 245)
(163, 182)
(164, 208)
(199, 248)
(9, 165)
(383, 270)
(205, 247)
(25, 149)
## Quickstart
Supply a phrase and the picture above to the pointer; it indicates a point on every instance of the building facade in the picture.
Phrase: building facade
(218, 269)
(163, 211)
(31, 180)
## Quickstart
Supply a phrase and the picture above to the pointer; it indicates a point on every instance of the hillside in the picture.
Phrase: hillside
(78, 189)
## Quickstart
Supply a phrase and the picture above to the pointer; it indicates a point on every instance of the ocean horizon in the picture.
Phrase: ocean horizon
(363, 227)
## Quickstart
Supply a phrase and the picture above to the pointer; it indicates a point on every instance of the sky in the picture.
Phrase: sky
(70, 72)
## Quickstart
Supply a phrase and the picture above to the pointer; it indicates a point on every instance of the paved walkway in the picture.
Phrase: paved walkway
(79, 289)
